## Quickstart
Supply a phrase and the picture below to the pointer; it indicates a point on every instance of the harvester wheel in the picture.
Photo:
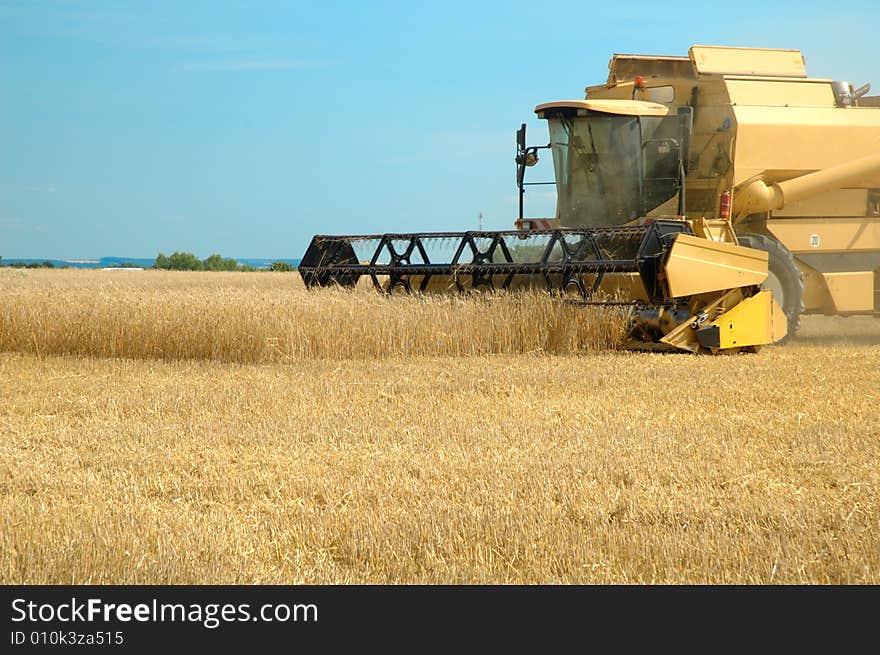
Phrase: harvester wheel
(785, 278)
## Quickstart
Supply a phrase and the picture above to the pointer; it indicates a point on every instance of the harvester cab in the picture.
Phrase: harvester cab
(615, 160)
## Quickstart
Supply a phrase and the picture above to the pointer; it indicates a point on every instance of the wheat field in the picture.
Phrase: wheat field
(234, 428)
(262, 317)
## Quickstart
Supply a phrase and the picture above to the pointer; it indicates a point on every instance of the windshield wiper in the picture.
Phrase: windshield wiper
(590, 159)
(577, 144)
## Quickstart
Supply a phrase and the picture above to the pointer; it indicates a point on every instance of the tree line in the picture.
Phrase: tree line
(45, 264)
(178, 261)
(187, 261)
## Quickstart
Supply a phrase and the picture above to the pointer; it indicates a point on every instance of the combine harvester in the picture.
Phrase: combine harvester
(716, 196)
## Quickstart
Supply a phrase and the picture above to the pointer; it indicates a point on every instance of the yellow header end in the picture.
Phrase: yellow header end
(696, 265)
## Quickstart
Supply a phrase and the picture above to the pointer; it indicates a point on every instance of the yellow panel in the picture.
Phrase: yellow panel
(851, 292)
(626, 67)
(816, 297)
(748, 61)
(842, 202)
(794, 93)
(825, 235)
(684, 336)
(698, 265)
(778, 319)
(754, 322)
(798, 140)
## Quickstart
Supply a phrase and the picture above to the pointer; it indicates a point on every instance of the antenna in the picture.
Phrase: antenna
(480, 221)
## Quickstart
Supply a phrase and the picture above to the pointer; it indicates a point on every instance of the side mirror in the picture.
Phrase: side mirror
(524, 156)
(521, 138)
(520, 158)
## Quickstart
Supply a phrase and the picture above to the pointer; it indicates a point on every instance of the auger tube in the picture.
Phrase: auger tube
(758, 197)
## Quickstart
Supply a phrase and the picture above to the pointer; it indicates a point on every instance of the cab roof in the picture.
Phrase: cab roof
(618, 107)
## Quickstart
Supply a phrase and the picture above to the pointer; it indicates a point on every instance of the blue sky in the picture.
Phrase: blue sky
(130, 128)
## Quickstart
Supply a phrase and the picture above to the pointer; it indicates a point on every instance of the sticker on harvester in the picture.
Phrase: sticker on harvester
(814, 240)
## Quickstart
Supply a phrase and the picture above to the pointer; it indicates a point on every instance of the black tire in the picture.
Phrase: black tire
(787, 273)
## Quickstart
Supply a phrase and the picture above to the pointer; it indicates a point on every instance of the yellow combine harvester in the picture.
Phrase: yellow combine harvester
(717, 196)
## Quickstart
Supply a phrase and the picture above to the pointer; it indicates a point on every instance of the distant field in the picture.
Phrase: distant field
(211, 428)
